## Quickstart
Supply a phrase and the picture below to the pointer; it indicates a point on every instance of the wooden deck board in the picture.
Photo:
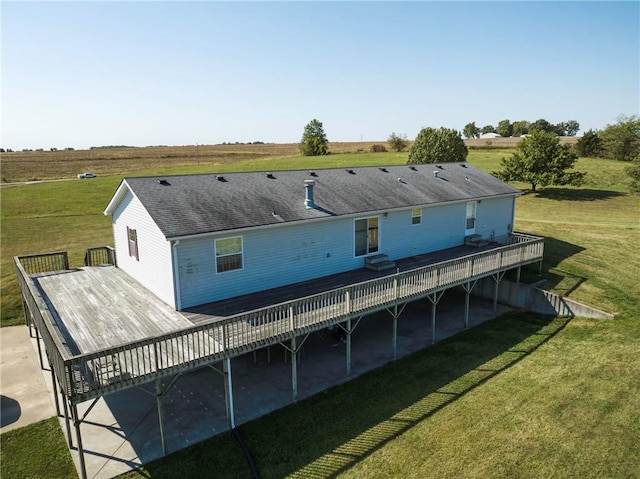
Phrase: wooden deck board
(102, 307)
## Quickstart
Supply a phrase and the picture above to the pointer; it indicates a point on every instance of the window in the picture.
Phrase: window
(366, 236)
(228, 254)
(471, 216)
(132, 237)
(416, 216)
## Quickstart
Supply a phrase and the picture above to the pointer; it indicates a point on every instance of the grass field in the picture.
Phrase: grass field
(520, 396)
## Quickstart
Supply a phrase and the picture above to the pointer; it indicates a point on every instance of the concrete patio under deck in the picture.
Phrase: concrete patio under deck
(122, 433)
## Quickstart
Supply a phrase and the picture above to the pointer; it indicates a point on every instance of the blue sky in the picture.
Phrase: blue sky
(78, 74)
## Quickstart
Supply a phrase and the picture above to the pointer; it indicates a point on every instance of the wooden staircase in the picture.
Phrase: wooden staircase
(379, 262)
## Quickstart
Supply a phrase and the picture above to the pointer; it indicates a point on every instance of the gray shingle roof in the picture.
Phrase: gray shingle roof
(196, 204)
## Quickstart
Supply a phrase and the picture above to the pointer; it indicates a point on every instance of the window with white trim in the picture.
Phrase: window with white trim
(416, 216)
(132, 240)
(471, 215)
(228, 254)
(366, 236)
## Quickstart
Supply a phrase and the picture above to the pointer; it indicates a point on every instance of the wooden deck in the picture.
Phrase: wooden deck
(104, 332)
(249, 302)
(103, 307)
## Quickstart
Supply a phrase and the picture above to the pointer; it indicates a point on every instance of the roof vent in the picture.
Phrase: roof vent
(313, 173)
(220, 178)
(413, 168)
(435, 173)
(163, 182)
(351, 172)
(270, 176)
(440, 167)
(463, 165)
(308, 190)
(384, 170)
(401, 181)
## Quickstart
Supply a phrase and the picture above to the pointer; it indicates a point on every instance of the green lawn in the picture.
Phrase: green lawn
(520, 396)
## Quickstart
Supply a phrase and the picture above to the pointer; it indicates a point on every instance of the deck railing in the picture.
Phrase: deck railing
(97, 373)
(100, 256)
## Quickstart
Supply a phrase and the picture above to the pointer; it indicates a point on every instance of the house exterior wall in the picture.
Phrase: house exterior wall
(153, 268)
(292, 253)
(494, 218)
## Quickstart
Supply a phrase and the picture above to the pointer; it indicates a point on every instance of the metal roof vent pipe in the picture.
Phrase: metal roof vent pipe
(308, 189)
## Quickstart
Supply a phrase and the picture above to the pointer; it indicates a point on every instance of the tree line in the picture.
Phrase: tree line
(540, 159)
(523, 127)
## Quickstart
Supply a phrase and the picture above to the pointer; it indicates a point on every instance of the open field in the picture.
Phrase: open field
(520, 396)
(46, 165)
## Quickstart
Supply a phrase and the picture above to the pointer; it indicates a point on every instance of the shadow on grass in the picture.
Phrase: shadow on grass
(334, 430)
(571, 194)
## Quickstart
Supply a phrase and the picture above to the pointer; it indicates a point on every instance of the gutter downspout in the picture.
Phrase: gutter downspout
(176, 275)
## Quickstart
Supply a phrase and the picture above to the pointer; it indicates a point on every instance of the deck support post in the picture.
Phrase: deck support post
(228, 393)
(497, 277)
(395, 333)
(468, 287)
(65, 407)
(435, 299)
(55, 389)
(294, 369)
(27, 316)
(395, 314)
(540, 268)
(39, 348)
(76, 423)
(518, 274)
(348, 331)
(163, 438)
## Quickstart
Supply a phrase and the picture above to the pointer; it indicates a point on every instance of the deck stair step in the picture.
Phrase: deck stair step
(379, 262)
(475, 240)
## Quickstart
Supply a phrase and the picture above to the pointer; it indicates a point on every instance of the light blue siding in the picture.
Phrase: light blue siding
(289, 254)
(494, 218)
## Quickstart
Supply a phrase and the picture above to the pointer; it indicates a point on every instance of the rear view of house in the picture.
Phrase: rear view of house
(202, 238)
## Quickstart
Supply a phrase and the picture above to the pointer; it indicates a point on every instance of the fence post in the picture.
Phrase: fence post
(65, 260)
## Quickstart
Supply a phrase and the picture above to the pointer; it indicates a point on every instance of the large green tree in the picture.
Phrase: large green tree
(540, 159)
(397, 142)
(442, 145)
(314, 141)
(520, 128)
(622, 140)
(590, 145)
(471, 130)
(488, 129)
(634, 173)
(505, 128)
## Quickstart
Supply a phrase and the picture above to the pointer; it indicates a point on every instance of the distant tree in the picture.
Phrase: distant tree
(520, 128)
(571, 127)
(540, 159)
(542, 125)
(397, 142)
(622, 140)
(377, 148)
(441, 145)
(314, 141)
(487, 129)
(590, 145)
(471, 130)
(634, 173)
(505, 128)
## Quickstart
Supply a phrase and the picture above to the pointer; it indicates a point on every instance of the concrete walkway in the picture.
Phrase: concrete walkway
(121, 431)
(24, 393)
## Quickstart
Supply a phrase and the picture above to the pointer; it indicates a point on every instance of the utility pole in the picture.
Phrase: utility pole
(198, 153)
